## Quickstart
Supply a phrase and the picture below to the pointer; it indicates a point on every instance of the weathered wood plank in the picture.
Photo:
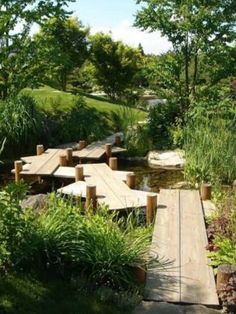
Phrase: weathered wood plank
(164, 283)
(180, 237)
(197, 280)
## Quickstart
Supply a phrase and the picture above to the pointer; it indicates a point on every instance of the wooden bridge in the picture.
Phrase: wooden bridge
(179, 240)
(179, 237)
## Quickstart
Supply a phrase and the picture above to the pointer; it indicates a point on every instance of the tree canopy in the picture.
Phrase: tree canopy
(16, 48)
(115, 64)
(62, 47)
(194, 27)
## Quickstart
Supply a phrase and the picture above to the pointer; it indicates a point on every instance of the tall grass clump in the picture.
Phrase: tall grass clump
(66, 239)
(210, 146)
(21, 123)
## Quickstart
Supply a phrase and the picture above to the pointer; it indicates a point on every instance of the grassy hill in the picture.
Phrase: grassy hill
(49, 99)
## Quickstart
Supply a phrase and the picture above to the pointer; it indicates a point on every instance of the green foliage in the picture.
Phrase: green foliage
(61, 47)
(66, 238)
(160, 121)
(25, 294)
(224, 254)
(210, 146)
(16, 228)
(200, 35)
(21, 123)
(80, 122)
(115, 64)
(222, 231)
(17, 51)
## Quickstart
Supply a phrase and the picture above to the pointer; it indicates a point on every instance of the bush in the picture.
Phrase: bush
(21, 124)
(160, 121)
(64, 238)
(80, 122)
(210, 150)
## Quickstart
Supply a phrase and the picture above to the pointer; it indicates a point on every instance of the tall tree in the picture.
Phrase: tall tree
(62, 47)
(16, 48)
(194, 27)
(116, 64)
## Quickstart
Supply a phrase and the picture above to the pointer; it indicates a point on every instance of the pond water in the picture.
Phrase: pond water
(151, 179)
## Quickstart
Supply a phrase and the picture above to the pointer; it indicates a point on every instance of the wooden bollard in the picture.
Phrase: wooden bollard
(131, 180)
(69, 156)
(205, 191)
(117, 140)
(108, 150)
(113, 163)
(90, 196)
(18, 168)
(62, 160)
(82, 145)
(234, 185)
(151, 208)
(39, 150)
(224, 273)
(140, 274)
(79, 173)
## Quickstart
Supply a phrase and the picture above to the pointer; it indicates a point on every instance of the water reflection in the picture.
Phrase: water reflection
(151, 180)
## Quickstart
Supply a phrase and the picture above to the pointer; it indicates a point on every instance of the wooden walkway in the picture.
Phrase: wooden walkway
(97, 149)
(180, 239)
(42, 165)
(111, 190)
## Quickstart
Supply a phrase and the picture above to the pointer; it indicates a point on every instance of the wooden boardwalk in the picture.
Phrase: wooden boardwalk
(111, 190)
(180, 239)
(97, 149)
(42, 165)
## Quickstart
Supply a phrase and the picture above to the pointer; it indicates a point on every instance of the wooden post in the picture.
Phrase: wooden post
(140, 274)
(90, 196)
(108, 150)
(224, 273)
(79, 173)
(82, 145)
(69, 156)
(62, 160)
(18, 168)
(39, 150)
(151, 207)
(131, 180)
(113, 163)
(205, 191)
(117, 140)
(234, 185)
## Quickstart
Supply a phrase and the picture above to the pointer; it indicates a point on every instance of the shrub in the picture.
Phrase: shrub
(21, 124)
(160, 121)
(210, 146)
(80, 122)
(66, 238)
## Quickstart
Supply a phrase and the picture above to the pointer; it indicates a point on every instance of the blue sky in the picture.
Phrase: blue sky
(117, 17)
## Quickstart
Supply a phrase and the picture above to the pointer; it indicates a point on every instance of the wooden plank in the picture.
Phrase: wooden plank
(163, 283)
(51, 164)
(76, 189)
(180, 237)
(197, 279)
(122, 174)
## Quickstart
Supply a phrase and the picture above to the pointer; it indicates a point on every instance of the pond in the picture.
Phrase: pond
(152, 179)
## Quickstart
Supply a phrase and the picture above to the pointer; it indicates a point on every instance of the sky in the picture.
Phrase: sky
(117, 17)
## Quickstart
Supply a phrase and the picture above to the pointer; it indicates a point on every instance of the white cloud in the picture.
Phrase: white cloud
(151, 42)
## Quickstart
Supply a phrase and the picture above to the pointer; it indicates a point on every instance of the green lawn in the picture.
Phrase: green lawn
(48, 98)
(26, 295)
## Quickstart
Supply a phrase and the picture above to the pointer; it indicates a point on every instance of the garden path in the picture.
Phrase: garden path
(180, 240)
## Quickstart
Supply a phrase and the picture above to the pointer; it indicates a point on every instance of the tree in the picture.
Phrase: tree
(116, 65)
(196, 28)
(16, 47)
(62, 47)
